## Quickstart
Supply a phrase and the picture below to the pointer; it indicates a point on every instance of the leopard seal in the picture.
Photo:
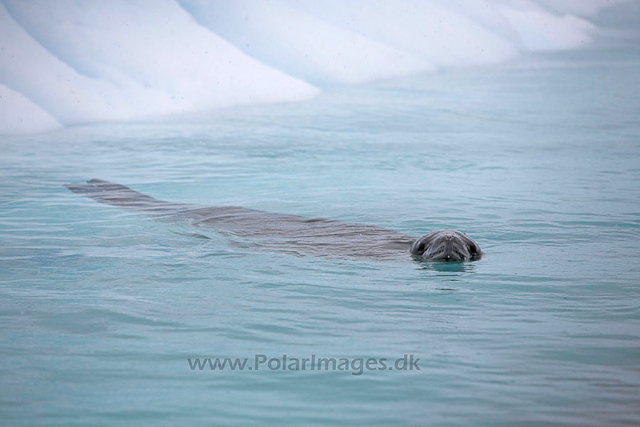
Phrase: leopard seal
(446, 245)
(302, 235)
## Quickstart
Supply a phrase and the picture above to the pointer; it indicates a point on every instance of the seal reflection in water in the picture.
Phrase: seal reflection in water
(305, 236)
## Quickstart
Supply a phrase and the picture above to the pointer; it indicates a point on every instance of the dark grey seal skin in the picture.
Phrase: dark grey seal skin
(304, 236)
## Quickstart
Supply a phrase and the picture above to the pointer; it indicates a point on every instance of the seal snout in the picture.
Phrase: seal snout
(450, 249)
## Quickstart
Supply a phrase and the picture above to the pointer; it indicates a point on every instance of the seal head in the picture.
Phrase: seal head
(446, 245)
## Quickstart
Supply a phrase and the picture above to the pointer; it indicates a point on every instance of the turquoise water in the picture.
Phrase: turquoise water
(538, 161)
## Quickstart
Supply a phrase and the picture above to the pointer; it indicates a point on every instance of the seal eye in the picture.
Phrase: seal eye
(473, 249)
(421, 247)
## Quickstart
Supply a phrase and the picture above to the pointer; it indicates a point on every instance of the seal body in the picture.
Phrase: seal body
(446, 245)
(291, 233)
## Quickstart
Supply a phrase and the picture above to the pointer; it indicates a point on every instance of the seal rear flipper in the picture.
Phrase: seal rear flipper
(97, 186)
(114, 194)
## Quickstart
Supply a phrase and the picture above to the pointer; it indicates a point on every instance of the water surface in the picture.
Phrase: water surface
(537, 161)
